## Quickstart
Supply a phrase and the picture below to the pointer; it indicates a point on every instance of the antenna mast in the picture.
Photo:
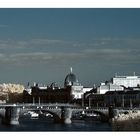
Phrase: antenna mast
(134, 73)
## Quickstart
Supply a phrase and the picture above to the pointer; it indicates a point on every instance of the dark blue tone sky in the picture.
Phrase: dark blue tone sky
(41, 44)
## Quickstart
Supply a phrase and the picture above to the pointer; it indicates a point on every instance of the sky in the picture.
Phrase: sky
(40, 45)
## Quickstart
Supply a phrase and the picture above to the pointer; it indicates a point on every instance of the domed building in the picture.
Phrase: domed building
(71, 80)
(54, 94)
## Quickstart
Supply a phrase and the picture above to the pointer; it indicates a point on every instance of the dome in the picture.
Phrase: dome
(70, 79)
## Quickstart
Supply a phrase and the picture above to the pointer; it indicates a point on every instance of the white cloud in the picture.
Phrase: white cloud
(30, 51)
(39, 57)
(32, 44)
(46, 41)
(115, 42)
(15, 45)
(97, 55)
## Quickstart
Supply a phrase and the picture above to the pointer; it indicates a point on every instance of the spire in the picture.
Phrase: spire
(134, 73)
(70, 69)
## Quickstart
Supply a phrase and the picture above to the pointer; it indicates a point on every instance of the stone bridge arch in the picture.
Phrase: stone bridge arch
(55, 113)
(60, 115)
(102, 113)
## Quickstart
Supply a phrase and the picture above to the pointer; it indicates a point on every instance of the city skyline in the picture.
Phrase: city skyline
(40, 45)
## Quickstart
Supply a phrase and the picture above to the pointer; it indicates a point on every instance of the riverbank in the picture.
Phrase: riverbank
(128, 121)
(126, 125)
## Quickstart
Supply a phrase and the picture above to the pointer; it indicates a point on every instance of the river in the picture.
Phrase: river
(31, 125)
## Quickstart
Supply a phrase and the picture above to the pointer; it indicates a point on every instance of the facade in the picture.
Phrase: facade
(93, 99)
(86, 89)
(127, 81)
(105, 87)
(119, 83)
(77, 91)
(49, 95)
(126, 98)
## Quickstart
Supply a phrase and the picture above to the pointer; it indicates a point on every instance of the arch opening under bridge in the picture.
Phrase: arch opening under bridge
(56, 114)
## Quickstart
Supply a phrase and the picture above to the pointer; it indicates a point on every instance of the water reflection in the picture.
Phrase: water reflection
(35, 124)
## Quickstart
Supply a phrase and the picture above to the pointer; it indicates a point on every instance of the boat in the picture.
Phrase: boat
(33, 115)
(91, 117)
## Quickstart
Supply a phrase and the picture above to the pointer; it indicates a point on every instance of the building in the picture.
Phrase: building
(127, 98)
(72, 91)
(126, 81)
(93, 99)
(77, 90)
(119, 83)
(47, 95)
(105, 87)
(72, 82)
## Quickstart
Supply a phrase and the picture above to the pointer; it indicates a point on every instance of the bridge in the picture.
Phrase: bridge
(61, 113)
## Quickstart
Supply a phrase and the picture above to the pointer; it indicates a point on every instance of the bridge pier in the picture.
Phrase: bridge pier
(11, 115)
(66, 115)
(113, 113)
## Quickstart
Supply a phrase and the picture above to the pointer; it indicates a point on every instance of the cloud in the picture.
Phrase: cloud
(15, 45)
(33, 51)
(38, 57)
(23, 58)
(46, 41)
(56, 44)
(115, 42)
(114, 56)
(106, 52)
(121, 56)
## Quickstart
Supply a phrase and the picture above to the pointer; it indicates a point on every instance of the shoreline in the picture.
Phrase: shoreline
(132, 124)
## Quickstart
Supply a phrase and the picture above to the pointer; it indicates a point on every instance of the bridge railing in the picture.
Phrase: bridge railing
(38, 104)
